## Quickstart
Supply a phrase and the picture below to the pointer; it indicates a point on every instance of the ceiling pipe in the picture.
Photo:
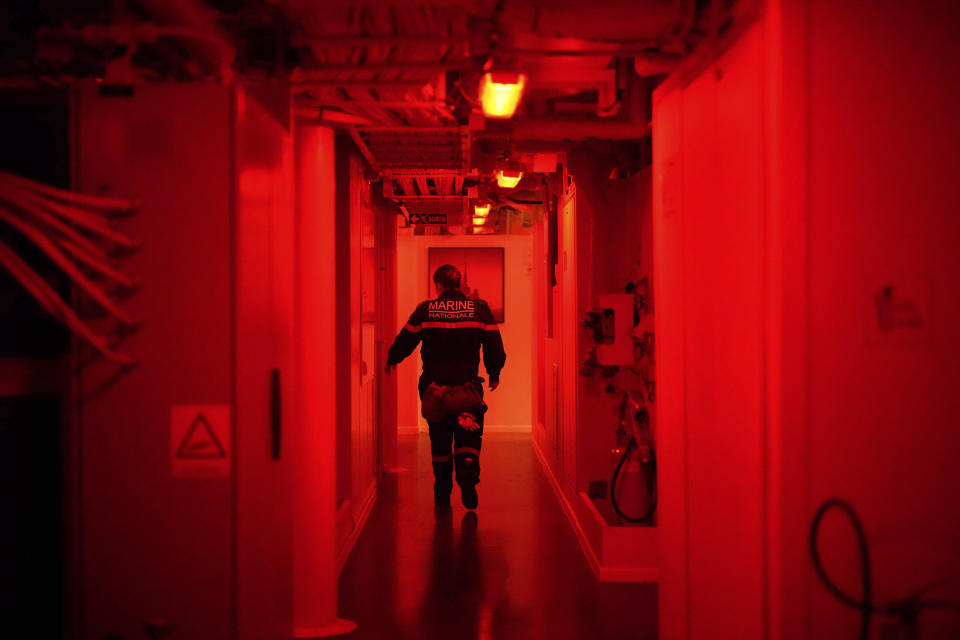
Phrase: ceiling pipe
(655, 63)
(364, 150)
(618, 52)
(553, 130)
(687, 15)
(603, 81)
(349, 41)
(350, 83)
(318, 70)
(635, 124)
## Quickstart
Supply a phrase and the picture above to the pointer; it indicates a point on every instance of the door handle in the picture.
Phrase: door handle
(276, 424)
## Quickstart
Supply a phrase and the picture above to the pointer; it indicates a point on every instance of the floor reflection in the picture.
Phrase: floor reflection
(511, 570)
(456, 592)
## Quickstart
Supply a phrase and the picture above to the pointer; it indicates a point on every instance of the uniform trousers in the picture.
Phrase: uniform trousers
(454, 450)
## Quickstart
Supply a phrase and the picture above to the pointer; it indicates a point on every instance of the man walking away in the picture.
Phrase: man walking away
(453, 328)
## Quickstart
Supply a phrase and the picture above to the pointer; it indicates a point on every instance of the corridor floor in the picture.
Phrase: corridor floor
(511, 570)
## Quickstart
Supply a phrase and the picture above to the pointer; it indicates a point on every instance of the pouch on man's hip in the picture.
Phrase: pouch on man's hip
(442, 401)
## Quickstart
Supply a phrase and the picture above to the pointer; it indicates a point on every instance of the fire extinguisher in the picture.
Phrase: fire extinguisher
(635, 420)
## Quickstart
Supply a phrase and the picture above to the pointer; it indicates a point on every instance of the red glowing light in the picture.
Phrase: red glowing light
(500, 93)
(508, 179)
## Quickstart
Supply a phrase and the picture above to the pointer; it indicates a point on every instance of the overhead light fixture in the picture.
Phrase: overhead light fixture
(508, 179)
(500, 93)
(481, 210)
(478, 221)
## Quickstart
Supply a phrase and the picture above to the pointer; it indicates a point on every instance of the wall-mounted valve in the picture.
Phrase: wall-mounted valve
(641, 298)
(601, 325)
(611, 329)
(643, 346)
(649, 384)
(589, 367)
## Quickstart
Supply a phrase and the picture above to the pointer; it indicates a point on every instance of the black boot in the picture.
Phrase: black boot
(441, 496)
(468, 475)
(442, 483)
(468, 495)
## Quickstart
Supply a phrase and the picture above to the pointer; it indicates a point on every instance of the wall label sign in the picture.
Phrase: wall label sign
(898, 310)
(200, 440)
(428, 218)
(901, 311)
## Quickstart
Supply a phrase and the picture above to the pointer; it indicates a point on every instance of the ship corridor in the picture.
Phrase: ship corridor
(718, 239)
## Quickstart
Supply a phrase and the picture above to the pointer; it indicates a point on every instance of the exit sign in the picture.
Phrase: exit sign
(428, 218)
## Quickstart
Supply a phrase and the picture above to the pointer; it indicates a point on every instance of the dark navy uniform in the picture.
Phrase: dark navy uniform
(452, 329)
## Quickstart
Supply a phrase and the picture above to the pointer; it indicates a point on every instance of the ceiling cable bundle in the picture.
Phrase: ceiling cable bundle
(70, 229)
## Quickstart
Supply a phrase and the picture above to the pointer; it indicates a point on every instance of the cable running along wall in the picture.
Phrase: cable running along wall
(77, 232)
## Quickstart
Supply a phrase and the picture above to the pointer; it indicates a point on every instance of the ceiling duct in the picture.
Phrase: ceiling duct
(633, 121)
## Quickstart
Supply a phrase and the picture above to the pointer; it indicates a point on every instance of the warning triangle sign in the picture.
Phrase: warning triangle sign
(200, 441)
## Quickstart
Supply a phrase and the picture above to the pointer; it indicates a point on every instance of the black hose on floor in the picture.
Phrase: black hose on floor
(907, 609)
(865, 605)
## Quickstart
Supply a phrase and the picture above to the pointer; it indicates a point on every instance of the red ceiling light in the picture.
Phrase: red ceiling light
(481, 210)
(500, 93)
(508, 178)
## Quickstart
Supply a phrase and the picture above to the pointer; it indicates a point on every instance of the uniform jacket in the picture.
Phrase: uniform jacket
(452, 328)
